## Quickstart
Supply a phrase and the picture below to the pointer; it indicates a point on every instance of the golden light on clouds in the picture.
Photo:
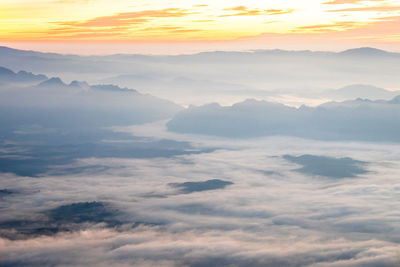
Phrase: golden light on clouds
(192, 21)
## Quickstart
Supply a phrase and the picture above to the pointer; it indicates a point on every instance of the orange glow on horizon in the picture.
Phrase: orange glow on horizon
(196, 22)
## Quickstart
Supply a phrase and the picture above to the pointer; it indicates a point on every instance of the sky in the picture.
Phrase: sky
(184, 26)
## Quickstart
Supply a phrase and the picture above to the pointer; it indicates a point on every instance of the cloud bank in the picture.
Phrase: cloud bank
(271, 215)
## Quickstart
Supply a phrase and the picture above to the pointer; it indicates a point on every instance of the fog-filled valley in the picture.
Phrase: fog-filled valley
(258, 158)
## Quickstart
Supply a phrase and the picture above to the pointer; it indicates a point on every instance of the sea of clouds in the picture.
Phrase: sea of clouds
(269, 211)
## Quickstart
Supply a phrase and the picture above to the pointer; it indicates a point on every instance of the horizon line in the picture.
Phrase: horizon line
(210, 50)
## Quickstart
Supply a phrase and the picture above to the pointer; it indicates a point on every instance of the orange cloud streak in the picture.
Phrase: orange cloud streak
(382, 8)
(129, 18)
(245, 11)
(339, 2)
(343, 25)
(383, 30)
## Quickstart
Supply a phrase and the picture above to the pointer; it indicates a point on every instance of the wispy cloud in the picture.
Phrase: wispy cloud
(245, 11)
(172, 29)
(118, 24)
(128, 18)
(343, 25)
(381, 8)
(339, 2)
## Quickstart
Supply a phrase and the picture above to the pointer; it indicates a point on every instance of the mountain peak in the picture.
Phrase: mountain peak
(5, 71)
(112, 88)
(364, 51)
(395, 100)
(21, 76)
(55, 81)
(79, 84)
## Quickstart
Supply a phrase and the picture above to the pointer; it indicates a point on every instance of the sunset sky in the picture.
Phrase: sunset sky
(186, 25)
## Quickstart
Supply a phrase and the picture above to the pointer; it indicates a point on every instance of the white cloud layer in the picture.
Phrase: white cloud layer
(271, 215)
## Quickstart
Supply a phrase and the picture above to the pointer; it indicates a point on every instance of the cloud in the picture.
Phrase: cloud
(379, 8)
(65, 218)
(344, 25)
(268, 215)
(71, 1)
(287, 219)
(339, 2)
(37, 160)
(143, 248)
(381, 27)
(129, 18)
(171, 29)
(113, 25)
(119, 24)
(245, 11)
(382, 32)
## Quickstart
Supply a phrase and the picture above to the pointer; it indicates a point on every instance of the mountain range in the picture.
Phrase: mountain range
(183, 78)
(9, 76)
(358, 120)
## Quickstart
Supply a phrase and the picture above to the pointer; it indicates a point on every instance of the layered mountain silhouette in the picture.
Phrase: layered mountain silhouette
(360, 119)
(263, 70)
(9, 76)
(367, 51)
(359, 91)
(56, 82)
(53, 104)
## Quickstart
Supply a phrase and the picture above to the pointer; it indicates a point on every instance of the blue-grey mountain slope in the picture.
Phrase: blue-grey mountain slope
(8, 76)
(360, 119)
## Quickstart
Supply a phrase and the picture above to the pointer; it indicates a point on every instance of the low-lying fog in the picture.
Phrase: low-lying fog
(101, 173)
